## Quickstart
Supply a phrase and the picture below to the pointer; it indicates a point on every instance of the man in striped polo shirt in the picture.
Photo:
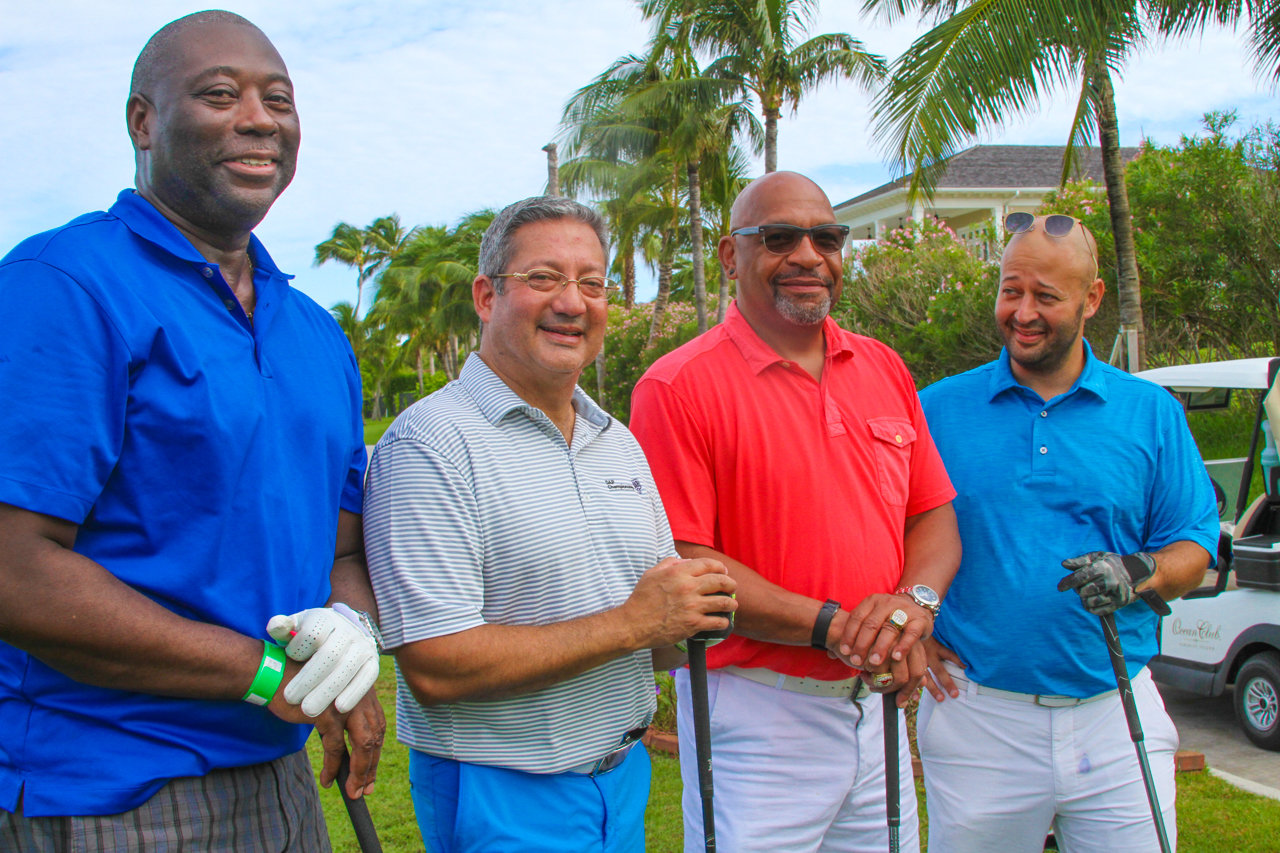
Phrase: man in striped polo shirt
(524, 569)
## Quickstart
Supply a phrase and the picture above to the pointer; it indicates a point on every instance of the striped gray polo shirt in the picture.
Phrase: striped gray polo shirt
(477, 512)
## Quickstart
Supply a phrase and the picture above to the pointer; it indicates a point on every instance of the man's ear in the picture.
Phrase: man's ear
(139, 113)
(482, 296)
(1093, 297)
(727, 250)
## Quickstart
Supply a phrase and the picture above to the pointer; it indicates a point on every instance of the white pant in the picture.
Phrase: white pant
(998, 773)
(792, 773)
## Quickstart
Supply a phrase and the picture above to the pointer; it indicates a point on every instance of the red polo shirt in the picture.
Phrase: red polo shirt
(808, 483)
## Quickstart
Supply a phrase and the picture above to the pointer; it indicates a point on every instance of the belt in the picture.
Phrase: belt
(849, 687)
(1045, 701)
(612, 759)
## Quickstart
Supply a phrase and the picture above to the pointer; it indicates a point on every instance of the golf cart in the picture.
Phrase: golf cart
(1228, 631)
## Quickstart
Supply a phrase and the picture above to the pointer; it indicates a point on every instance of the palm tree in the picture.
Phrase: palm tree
(987, 60)
(367, 250)
(1182, 17)
(757, 47)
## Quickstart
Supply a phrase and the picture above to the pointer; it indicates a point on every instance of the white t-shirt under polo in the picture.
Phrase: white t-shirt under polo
(477, 512)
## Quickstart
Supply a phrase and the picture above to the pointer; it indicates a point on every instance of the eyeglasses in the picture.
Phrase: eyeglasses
(1055, 225)
(546, 281)
(783, 239)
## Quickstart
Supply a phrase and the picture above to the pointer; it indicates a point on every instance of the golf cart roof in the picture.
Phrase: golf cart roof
(1238, 373)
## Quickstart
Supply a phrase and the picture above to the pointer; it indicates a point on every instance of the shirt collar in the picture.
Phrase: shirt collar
(141, 217)
(760, 355)
(496, 400)
(1092, 379)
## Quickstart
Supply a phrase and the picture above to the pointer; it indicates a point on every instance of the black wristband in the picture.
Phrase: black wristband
(823, 624)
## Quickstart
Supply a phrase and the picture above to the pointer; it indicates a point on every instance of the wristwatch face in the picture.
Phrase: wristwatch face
(926, 597)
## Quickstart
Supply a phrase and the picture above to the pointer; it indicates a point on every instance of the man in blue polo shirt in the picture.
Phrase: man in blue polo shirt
(184, 463)
(1055, 457)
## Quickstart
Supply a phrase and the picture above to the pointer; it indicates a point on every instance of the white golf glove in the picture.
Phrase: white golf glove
(340, 652)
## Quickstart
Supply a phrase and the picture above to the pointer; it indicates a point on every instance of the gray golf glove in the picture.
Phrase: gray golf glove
(1107, 582)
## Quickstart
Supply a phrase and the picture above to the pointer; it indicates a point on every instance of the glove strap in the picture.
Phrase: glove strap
(1140, 566)
(270, 674)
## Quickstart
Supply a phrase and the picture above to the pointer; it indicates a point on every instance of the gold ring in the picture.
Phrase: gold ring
(898, 619)
(882, 679)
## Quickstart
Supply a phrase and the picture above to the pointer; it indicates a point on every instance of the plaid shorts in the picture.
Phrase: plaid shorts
(265, 808)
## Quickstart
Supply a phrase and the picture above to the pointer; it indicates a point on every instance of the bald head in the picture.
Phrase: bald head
(156, 57)
(1071, 258)
(765, 196)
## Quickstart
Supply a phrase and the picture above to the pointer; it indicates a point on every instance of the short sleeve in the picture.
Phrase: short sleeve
(423, 543)
(353, 489)
(675, 443)
(930, 486)
(1183, 505)
(64, 383)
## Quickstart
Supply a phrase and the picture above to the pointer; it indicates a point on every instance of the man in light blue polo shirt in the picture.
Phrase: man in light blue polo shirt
(183, 462)
(1055, 456)
(525, 572)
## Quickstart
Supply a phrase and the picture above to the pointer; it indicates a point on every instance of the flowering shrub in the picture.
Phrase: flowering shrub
(626, 356)
(922, 292)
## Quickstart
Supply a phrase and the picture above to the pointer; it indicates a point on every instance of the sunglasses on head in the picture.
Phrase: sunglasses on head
(1055, 225)
(783, 239)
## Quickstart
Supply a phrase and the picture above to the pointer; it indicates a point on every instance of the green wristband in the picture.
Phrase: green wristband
(270, 674)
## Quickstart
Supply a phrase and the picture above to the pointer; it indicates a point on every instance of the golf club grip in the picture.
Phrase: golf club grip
(1112, 636)
(702, 737)
(358, 811)
(892, 783)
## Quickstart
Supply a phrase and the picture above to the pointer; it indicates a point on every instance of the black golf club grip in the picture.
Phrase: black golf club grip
(1112, 636)
(702, 737)
(358, 811)
(721, 634)
(892, 770)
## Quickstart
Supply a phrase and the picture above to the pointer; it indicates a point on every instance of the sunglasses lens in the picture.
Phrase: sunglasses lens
(780, 239)
(828, 241)
(1059, 225)
(1016, 223)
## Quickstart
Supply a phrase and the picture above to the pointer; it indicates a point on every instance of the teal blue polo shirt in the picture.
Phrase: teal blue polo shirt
(1108, 466)
(204, 458)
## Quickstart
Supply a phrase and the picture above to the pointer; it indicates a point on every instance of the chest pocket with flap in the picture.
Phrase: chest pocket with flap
(892, 439)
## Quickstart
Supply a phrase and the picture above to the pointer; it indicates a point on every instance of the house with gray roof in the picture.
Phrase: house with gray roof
(977, 189)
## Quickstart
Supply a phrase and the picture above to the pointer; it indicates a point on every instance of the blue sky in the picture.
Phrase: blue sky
(433, 109)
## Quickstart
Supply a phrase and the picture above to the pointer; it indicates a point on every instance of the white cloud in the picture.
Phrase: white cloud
(434, 109)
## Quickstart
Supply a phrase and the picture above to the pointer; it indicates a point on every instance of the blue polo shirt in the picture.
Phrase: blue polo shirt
(1108, 466)
(204, 459)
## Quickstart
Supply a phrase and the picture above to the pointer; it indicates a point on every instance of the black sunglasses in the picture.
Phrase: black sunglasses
(1055, 225)
(783, 239)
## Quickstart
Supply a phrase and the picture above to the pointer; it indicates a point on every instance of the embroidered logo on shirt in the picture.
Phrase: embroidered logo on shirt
(634, 486)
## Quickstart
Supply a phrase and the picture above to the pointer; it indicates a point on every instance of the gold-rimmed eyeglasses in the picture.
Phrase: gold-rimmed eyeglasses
(547, 281)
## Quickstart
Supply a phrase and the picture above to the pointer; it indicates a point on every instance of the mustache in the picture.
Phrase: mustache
(827, 281)
(1037, 326)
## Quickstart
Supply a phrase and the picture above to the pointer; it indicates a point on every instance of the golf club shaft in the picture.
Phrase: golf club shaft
(1112, 635)
(358, 811)
(892, 785)
(702, 736)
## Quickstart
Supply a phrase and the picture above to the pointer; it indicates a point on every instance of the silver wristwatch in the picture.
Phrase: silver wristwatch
(922, 595)
(367, 621)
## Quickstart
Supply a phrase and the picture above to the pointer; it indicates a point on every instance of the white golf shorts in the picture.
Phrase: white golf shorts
(792, 773)
(999, 773)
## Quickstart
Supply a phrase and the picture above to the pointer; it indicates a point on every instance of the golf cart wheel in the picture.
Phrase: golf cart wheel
(1257, 699)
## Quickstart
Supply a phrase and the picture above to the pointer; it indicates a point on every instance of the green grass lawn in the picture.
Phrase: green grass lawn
(1213, 817)
(373, 430)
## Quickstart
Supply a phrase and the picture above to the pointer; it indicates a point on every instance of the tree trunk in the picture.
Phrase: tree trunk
(629, 278)
(451, 357)
(695, 233)
(431, 362)
(664, 288)
(1128, 287)
(771, 114)
(724, 297)
(553, 169)
(600, 377)
(419, 371)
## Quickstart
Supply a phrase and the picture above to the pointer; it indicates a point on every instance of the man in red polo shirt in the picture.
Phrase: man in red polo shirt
(796, 453)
